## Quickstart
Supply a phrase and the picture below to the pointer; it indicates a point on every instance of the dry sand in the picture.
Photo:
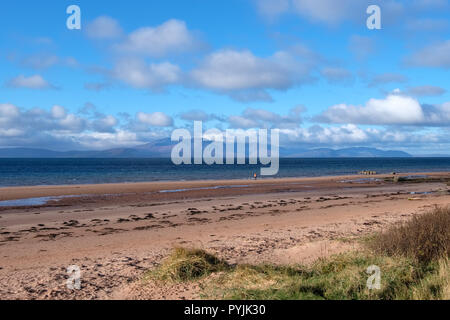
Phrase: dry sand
(116, 232)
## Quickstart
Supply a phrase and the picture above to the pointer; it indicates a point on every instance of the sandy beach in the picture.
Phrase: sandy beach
(116, 232)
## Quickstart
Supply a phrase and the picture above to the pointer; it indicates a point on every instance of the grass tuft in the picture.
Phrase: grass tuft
(188, 264)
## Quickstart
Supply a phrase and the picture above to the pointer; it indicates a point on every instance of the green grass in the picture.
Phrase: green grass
(187, 265)
(342, 277)
(413, 259)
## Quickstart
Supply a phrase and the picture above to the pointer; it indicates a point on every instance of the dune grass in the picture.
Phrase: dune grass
(413, 259)
(343, 277)
(425, 238)
(187, 265)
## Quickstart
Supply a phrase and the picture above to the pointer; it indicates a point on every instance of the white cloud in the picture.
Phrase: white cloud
(58, 112)
(436, 55)
(153, 76)
(236, 70)
(105, 124)
(351, 135)
(104, 27)
(395, 109)
(31, 82)
(106, 140)
(71, 123)
(58, 128)
(344, 135)
(157, 119)
(170, 37)
(243, 75)
(9, 111)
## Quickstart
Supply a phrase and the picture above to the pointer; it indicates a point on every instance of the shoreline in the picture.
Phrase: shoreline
(118, 189)
(121, 193)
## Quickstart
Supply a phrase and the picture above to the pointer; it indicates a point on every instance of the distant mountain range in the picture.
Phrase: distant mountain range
(162, 149)
(158, 149)
(358, 152)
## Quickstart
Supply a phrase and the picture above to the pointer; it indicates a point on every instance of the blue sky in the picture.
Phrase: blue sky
(138, 69)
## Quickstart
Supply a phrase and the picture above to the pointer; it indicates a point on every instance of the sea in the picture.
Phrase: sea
(37, 172)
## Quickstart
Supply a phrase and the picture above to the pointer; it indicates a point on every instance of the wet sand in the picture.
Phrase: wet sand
(115, 232)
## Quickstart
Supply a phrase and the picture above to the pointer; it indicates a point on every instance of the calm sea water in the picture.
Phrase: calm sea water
(28, 172)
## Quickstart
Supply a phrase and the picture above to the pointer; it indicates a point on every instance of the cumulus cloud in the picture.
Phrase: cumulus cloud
(157, 119)
(395, 109)
(29, 122)
(8, 111)
(436, 55)
(104, 27)
(105, 140)
(245, 76)
(31, 82)
(139, 74)
(352, 135)
(58, 128)
(344, 135)
(58, 112)
(171, 37)
(105, 124)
